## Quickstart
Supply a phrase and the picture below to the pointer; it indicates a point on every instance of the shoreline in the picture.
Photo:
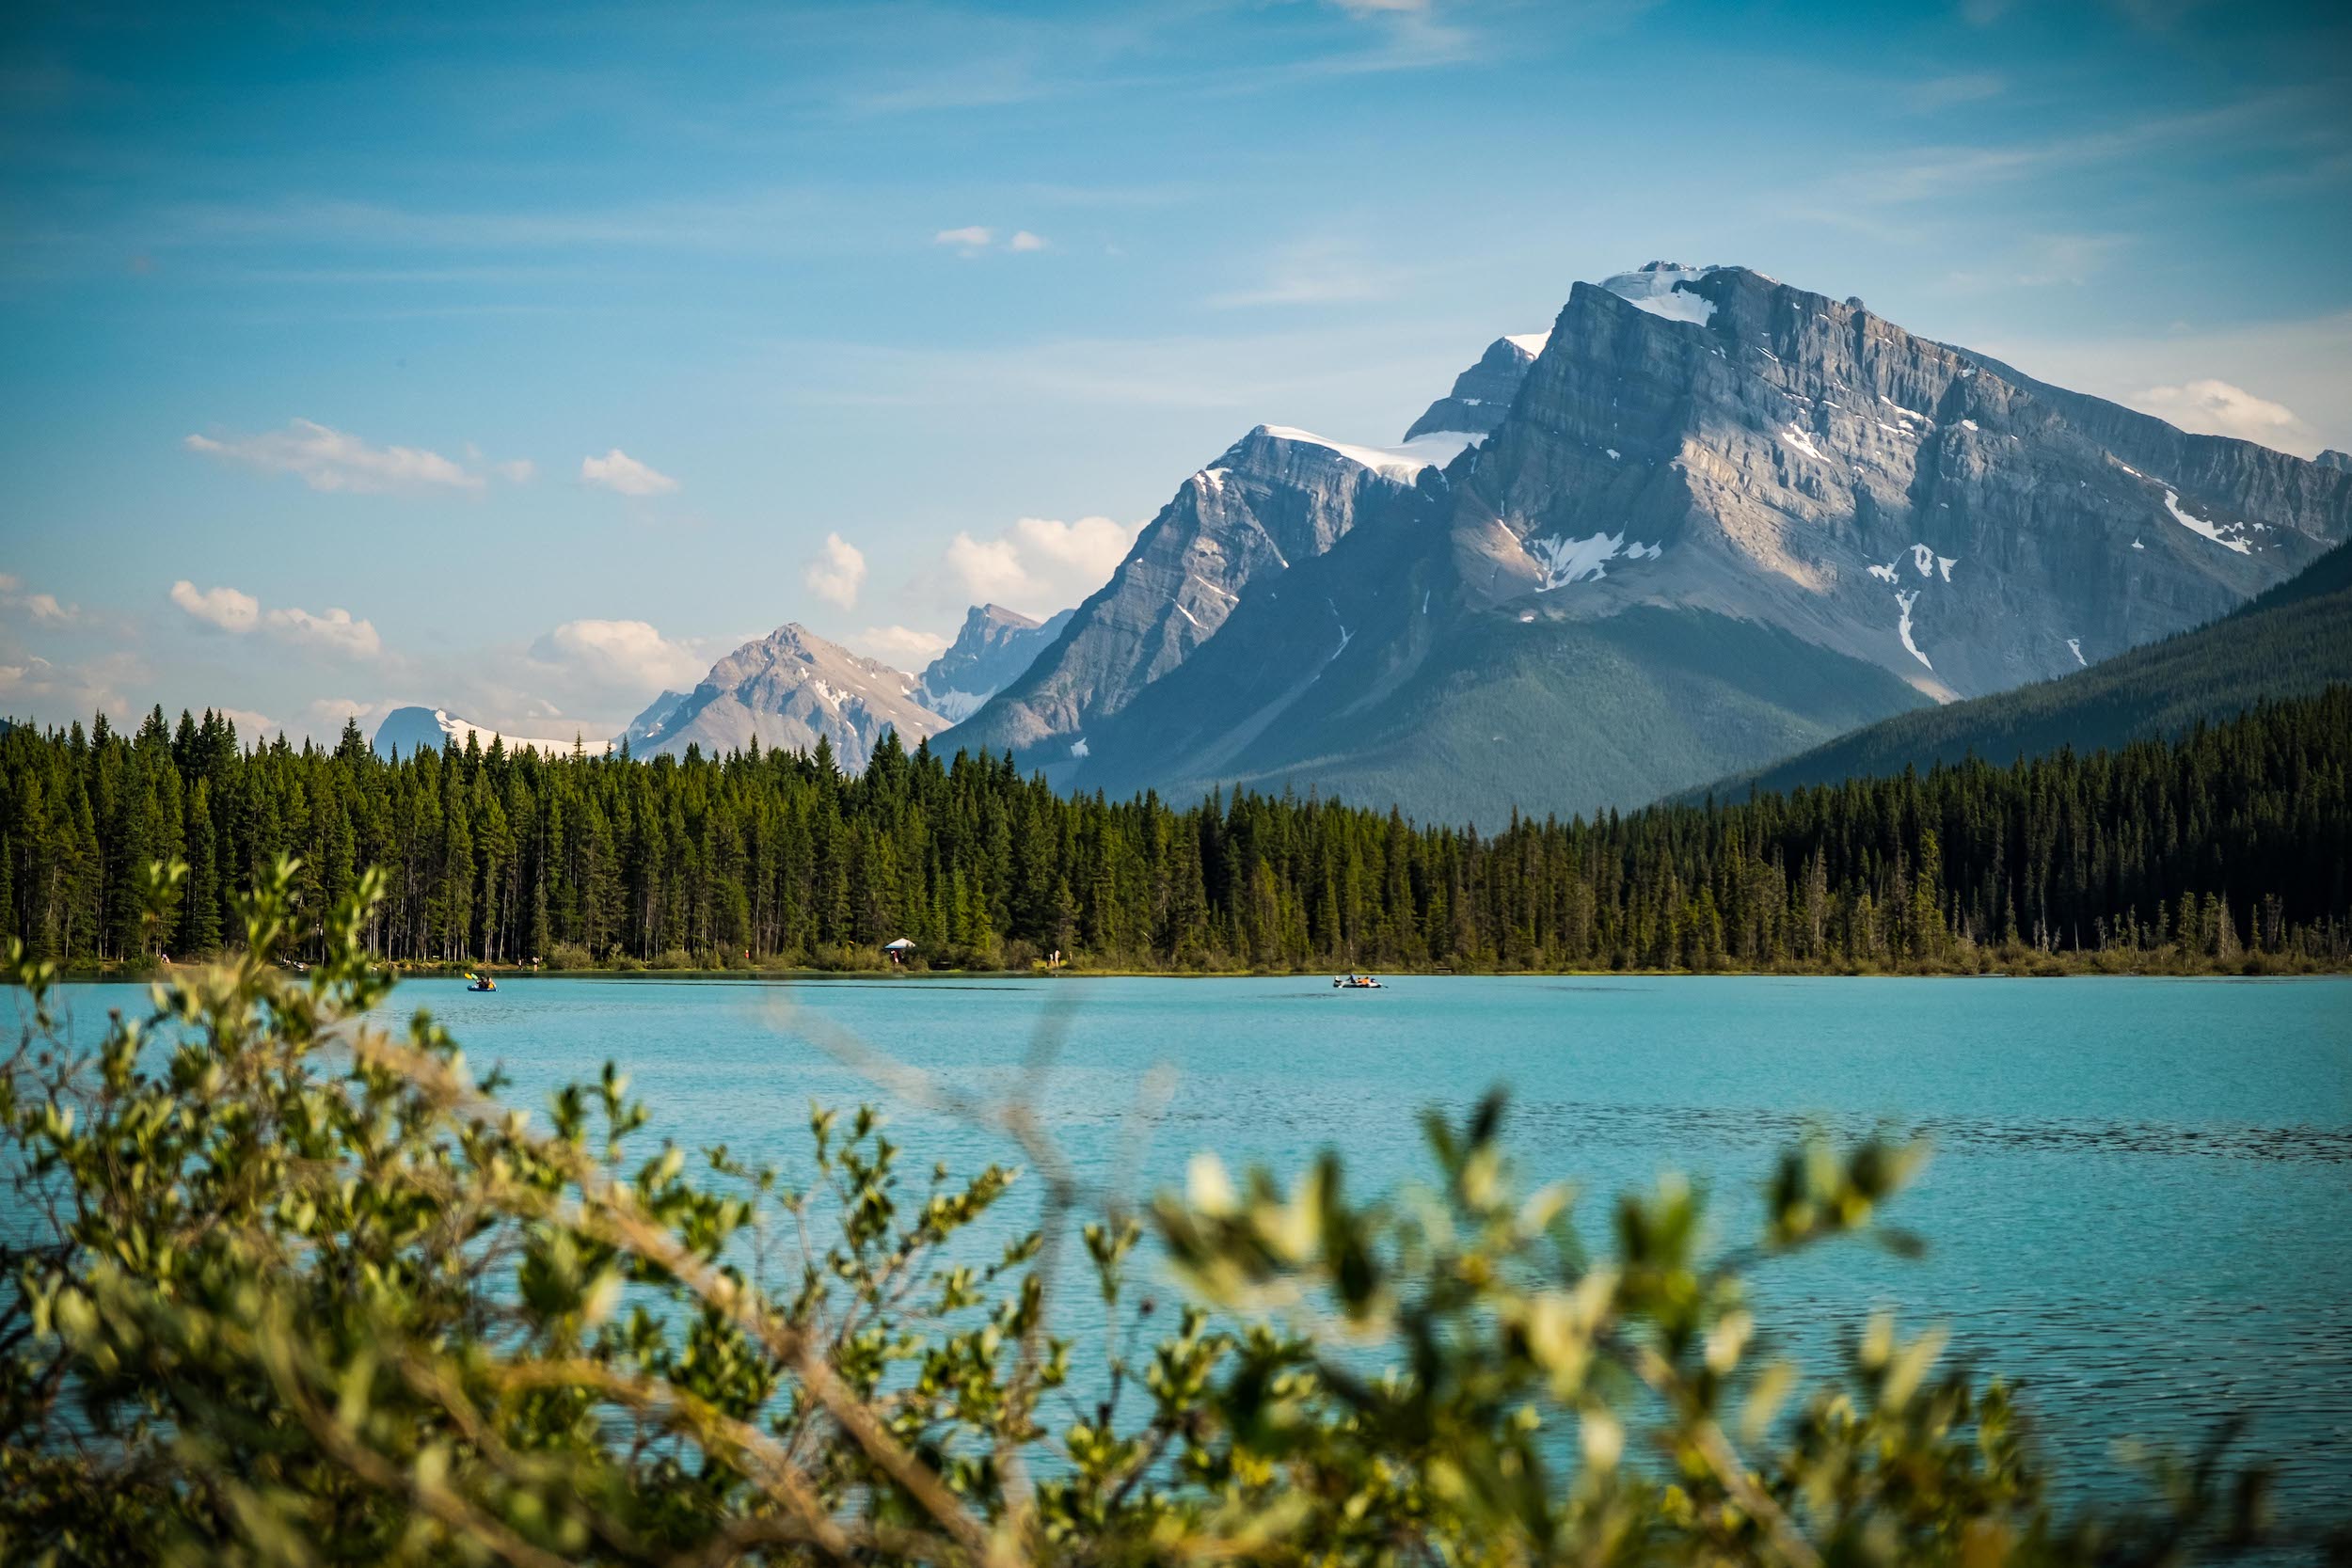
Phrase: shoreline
(2056, 969)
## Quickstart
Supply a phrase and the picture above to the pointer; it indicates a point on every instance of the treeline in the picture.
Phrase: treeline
(2229, 846)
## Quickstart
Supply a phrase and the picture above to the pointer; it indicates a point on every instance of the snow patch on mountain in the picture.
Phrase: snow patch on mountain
(1405, 463)
(1903, 602)
(1563, 560)
(1802, 441)
(406, 729)
(1653, 289)
(2198, 525)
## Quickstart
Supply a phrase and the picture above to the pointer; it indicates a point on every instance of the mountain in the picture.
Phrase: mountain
(1275, 497)
(2292, 641)
(1482, 394)
(988, 653)
(647, 731)
(405, 729)
(1721, 520)
(2340, 460)
(787, 691)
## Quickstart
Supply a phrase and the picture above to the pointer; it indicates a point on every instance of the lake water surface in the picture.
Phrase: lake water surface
(2139, 1205)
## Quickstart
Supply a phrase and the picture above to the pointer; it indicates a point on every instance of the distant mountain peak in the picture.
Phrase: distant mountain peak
(406, 730)
(787, 691)
(1483, 393)
(992, 649)
(2340, 460)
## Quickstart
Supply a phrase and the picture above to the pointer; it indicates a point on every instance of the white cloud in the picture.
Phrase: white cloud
(518, 471)
(223, 608)
(42, 608)
(903, 646)
(231, 610)
(975, 238)
(2214, 407)
(1039, 564)
(836, 572)
(335, 632)
(327, 459)
(617, 470)
(629, 657)
(250, 725)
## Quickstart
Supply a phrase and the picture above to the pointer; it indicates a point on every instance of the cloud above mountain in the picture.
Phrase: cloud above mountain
(836, 572)
(628, 657)
(2213, 408)
(902, 647)
(238, 613)
(1039, 564)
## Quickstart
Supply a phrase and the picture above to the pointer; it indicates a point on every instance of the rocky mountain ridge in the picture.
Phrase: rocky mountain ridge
(788, 690)
(1275, 497)
(1719, 518)
(991, 651)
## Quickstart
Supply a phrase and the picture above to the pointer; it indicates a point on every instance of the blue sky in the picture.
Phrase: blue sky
(521, 365)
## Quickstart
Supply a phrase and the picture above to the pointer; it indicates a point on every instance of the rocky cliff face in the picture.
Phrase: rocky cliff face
(787, 691)
(1724, 518)
(1778, 455)
(2340, 460)
(1482, 394)
(1275, 497)
(991, 651)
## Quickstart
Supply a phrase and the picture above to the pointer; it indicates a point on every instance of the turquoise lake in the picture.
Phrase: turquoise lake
(2139, 1204)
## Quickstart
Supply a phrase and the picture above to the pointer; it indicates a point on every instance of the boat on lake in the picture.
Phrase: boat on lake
(1355, 982)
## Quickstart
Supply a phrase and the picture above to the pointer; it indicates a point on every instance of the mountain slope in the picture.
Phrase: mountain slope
(1772, 514)
(1482, 394)
(1275, 497)
(991, 651)
(2294, 640)
(787, 691)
